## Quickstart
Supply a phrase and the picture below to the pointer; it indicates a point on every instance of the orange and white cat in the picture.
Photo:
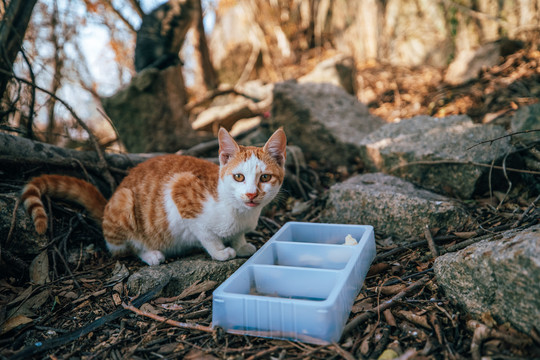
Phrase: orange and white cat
(171, 203)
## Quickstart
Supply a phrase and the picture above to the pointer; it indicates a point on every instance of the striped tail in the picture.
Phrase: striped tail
(61, 187)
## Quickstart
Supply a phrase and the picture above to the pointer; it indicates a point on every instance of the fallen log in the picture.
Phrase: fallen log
(21, 159)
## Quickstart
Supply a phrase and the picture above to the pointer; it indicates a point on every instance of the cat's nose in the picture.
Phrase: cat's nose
(251, 196)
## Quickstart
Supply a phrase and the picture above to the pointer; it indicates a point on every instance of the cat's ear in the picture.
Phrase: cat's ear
(227, 146)
(276, 146)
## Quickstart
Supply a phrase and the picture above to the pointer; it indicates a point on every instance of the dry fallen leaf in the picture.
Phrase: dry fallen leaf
(22, 296)
(39, 269)
(14, 322)
(120, 272)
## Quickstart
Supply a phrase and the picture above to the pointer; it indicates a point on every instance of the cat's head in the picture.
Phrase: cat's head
(252, 175)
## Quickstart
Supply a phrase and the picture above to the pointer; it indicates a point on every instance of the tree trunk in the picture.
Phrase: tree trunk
(209, 74)
(12, 30)
(58, 64)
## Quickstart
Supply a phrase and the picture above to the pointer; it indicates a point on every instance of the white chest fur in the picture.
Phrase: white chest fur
(220, 219)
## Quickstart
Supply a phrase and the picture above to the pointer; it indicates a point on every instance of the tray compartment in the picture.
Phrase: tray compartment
(284, 282)
(281, 302)
(321, 233)
(321, 256)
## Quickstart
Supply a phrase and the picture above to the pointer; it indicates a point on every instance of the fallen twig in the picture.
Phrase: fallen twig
(102, 161)
(66, 265)
(522, 216)
(264, 352)
(431, 243)
(168, 321)
(385, 305)
(406, 277)
(342, 352)
(491, 141)
(399, 249)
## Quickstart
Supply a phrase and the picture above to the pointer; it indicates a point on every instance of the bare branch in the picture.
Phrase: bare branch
(179, 324)
(137, 7)
(491, 141)
(12, 29)
(109, 5)
(30, 120)
(103, 163)
(210, 77)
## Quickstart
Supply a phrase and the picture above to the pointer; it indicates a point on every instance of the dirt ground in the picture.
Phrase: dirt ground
(400, 312)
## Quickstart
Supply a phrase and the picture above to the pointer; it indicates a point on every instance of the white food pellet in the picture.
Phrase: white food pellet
(349, 240)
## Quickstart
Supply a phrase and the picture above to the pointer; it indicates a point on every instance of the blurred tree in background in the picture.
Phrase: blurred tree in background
(398, 32)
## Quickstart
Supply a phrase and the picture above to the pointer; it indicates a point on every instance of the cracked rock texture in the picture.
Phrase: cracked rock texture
(446, 147)
(393, 206)
(181, 273)
(499, 276)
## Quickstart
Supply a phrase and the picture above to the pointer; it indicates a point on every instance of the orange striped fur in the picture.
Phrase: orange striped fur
(64, 187)
(171, 203)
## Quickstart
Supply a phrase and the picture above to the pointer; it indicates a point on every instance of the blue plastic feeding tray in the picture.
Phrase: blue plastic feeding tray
(299, 286)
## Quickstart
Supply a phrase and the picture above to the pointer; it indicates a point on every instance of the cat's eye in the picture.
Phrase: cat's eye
(238, 177)
(265, 177)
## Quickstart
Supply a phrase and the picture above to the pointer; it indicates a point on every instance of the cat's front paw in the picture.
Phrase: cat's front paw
(246, 250)
(225, 254)
(154, 257)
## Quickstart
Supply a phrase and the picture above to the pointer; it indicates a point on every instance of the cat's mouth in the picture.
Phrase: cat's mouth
(251, 203)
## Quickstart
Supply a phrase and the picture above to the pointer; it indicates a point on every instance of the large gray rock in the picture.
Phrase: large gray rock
(526, 123)
(338, 70)
(181, 273)
(322, 119)
(446, 146)
(499, 277)
(393, 206)
(527, 118)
